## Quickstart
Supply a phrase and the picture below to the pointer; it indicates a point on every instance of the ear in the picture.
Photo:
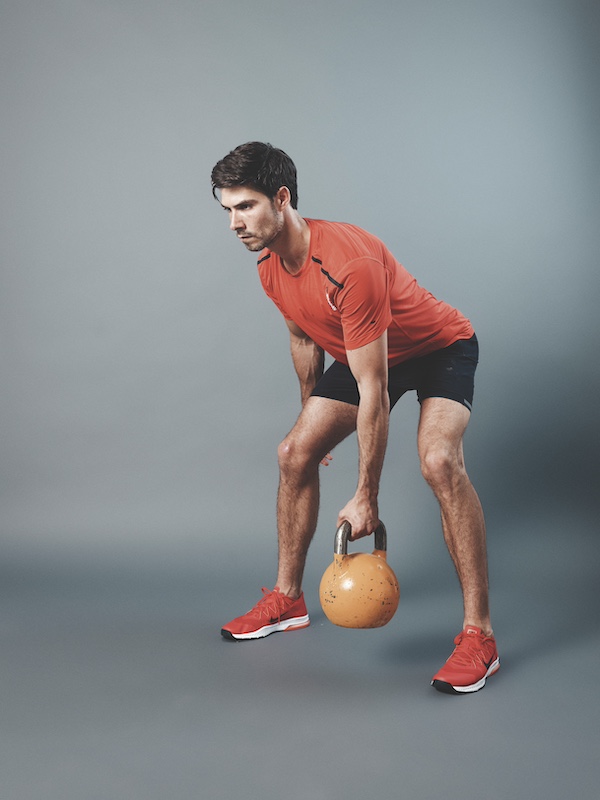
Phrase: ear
(282, 198)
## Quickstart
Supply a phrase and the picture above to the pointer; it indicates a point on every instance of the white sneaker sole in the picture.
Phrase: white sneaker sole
(285, 625)
(449, 688)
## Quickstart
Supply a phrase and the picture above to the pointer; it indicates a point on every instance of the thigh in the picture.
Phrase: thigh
(449, 372)
(323, 423)
(338, 383)
(442, 425)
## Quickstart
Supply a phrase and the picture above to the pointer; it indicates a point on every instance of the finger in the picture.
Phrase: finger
(355, 532)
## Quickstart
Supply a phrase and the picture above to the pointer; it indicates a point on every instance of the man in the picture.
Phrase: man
(342, 292)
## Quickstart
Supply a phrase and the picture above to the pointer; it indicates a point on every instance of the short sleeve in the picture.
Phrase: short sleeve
(363, 300)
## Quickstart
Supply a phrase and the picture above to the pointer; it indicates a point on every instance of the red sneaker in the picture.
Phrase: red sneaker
(473, 660)
(274, 612)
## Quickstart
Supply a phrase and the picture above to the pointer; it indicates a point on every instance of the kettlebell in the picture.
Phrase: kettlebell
(359, 590)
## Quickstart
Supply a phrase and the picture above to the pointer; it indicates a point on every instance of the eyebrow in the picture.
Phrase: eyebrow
(248, 202)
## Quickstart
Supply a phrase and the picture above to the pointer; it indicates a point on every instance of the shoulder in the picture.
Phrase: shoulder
(347, 252)
(343, 241)
(342, 230)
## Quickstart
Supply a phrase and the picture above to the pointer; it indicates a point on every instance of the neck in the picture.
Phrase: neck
(293, 242)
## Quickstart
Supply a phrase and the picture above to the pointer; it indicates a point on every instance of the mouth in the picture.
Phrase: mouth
(250, 241)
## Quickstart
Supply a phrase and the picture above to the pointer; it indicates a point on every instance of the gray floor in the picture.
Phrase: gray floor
(116, 684)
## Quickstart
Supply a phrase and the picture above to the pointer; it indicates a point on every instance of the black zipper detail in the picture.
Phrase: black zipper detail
(264, 258)
(328, 276)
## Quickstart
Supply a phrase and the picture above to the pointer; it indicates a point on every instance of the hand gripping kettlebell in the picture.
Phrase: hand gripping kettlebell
(359, 590)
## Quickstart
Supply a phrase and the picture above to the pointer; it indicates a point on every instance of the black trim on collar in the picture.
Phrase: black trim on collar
(264, 258)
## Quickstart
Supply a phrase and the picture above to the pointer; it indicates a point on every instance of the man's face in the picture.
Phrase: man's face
(254, 218)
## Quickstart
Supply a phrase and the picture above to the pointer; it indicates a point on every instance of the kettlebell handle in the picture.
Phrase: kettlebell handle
(344, 532)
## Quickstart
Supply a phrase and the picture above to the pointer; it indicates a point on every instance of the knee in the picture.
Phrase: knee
(295, 457)
(441, 469)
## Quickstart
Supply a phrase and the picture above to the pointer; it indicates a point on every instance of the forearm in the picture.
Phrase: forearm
(369, 367)
(308, 359)
(372, 425)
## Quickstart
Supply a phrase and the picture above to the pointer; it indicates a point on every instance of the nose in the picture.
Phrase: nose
(235, 222)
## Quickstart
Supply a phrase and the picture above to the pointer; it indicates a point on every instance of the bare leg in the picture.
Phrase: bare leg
(322, 425)
(441, 429)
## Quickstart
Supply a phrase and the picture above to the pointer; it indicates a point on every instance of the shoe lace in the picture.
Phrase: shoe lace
(270, 604)
(469, 649)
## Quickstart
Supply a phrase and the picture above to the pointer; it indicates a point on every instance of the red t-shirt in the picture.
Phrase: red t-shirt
(351, 289)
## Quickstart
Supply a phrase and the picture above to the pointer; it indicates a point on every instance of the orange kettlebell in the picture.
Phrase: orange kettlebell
(359, 590)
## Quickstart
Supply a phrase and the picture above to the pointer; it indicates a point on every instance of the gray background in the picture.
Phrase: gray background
(146, 384)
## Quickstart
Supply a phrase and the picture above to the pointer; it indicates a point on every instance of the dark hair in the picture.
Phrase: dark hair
(258, 165)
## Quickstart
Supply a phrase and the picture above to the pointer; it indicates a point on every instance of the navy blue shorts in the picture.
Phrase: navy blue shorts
(449, 372)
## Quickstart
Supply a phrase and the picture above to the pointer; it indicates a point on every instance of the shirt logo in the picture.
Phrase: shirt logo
(329, 301)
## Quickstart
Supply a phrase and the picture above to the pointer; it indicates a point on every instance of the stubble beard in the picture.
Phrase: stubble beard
(259, 242)
(254, 247)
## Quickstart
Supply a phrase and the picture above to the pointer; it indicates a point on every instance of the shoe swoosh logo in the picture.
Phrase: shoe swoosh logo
(487, 664)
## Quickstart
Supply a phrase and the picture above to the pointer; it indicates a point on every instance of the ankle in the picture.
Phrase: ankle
(293, 592)
(485, 626)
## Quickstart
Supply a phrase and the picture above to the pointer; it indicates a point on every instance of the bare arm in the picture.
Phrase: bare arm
(369, 367)
(308, 359)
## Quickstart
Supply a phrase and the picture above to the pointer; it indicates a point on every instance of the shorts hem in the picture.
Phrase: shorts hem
(462, 400)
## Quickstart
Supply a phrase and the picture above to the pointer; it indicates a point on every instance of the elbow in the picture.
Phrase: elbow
(375, 395)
